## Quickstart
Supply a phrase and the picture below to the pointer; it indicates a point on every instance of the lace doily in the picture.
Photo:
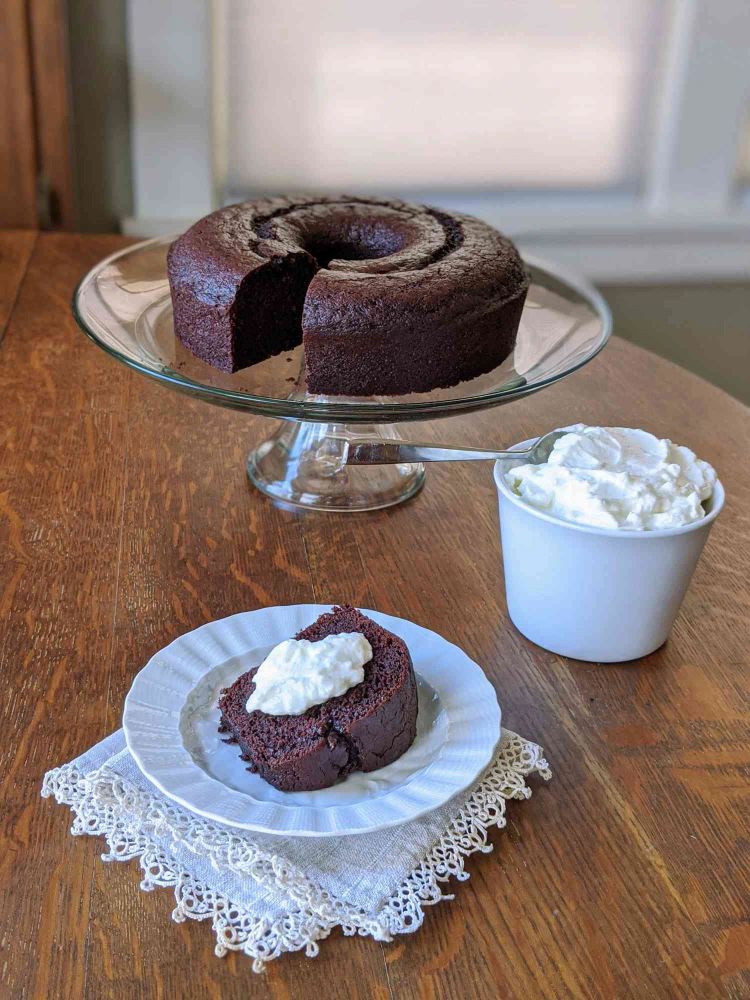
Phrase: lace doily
(258, 900)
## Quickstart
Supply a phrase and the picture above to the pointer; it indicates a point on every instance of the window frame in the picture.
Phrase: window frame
(690, 219)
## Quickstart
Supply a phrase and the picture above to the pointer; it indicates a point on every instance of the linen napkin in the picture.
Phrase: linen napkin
(266, 895)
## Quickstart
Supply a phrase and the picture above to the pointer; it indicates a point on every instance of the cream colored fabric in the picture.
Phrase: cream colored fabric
(267, 895)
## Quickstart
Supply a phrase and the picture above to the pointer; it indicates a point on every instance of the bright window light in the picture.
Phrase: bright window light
(429, 94)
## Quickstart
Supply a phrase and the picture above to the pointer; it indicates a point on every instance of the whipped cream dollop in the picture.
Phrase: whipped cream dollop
(617, 477)
(298, 674)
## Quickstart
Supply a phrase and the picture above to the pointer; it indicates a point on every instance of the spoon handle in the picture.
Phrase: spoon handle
(395, 452)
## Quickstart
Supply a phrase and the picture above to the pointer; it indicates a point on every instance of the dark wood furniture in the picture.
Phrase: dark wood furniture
(125, 520)
(36, 157)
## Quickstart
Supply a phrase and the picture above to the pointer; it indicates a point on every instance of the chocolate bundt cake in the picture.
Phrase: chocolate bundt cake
(387, 298)
(367, 727)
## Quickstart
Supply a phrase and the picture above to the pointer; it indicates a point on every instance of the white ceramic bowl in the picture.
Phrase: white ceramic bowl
(597, 594)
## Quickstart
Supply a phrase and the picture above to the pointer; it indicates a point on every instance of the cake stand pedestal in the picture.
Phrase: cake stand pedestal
(123, 304)
(304, 465)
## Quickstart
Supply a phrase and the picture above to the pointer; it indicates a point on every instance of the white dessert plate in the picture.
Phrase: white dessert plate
(171, 723)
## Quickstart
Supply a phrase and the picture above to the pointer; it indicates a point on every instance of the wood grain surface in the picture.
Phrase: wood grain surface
(48, 35)
(18, 154)
(126, 519)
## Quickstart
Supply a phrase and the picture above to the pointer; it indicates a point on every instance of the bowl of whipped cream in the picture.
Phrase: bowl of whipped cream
(600, 542)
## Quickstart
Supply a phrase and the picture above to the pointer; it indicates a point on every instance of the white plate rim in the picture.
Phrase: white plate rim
(152, 713)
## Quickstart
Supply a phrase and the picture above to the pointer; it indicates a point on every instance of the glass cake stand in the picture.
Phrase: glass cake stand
(123, 305)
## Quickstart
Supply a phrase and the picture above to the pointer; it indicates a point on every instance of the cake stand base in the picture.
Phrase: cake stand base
(304, 465)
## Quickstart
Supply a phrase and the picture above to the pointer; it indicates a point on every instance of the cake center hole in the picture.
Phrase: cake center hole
(358, 240)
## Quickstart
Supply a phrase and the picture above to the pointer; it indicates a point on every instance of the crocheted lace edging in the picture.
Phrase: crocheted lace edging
(132, 820)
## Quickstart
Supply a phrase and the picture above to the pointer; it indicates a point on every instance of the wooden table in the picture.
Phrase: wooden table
(125, 520)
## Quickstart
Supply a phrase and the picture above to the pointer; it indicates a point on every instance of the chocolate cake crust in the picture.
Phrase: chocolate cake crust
(387, 297)
(367, 727)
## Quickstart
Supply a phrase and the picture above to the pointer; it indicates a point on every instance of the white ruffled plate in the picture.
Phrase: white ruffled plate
(171, 725)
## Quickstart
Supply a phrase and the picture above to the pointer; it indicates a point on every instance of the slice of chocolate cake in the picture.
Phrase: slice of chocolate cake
(367, 727)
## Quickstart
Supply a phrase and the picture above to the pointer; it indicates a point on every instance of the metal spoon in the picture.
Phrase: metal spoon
(380, 452)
